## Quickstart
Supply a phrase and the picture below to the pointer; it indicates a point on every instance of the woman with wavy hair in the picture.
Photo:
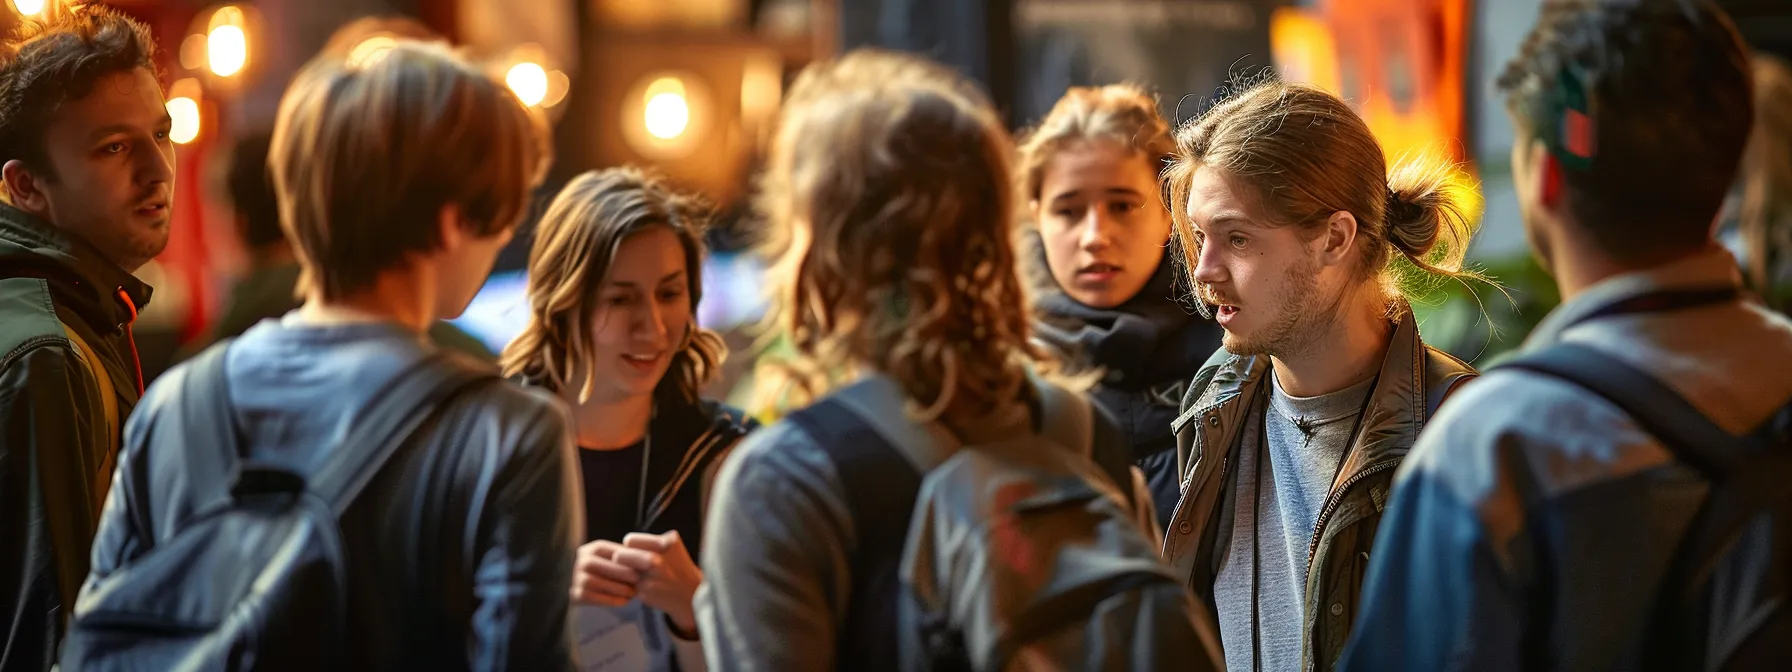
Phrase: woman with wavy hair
(889, 204)
(614, 280)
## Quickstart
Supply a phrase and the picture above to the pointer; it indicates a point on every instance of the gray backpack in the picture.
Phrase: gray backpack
(1024, 553)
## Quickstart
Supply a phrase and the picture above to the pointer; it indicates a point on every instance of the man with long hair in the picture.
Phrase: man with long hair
(1297, 234)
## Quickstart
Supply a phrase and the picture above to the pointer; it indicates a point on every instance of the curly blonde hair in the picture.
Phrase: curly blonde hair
(575, 244)
(889, 199)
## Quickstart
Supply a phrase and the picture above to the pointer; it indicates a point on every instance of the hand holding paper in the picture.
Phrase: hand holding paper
(669, 578)
(598, 578)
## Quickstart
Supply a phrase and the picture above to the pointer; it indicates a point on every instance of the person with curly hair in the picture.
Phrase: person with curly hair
(889, 204)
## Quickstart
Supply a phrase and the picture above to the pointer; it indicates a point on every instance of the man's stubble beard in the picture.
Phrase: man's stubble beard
(1302, 318)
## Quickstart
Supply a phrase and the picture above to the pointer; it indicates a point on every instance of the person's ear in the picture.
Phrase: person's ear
(1550, 174)
(25, 188)
(1337, 240)
(453, 233)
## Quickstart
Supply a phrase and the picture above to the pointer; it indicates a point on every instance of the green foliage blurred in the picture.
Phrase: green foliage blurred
(1484, 322)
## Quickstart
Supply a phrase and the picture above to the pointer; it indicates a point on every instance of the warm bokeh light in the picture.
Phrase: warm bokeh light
(667, 115)
(529, 81)
(227, 49)
(185, 113)
(29, 7)
(668, 112)
(558, 85)
(370, 51)
(192, 52)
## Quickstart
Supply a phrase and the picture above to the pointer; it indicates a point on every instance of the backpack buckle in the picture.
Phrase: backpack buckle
(255, 482)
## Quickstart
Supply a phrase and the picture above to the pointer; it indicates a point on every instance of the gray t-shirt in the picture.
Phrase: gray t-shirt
(1307, 439)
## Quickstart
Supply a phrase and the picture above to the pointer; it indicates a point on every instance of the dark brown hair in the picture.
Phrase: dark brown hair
(1668, 91)
(889, 194)
(251, 192)
(1304, 155)
(366, 156)
(45, 63)
(575, 243)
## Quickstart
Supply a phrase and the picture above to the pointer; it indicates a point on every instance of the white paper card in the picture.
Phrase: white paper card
(621, 639)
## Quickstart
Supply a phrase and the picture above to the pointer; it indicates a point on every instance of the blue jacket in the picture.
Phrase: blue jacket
(460, 551)
(1524, 482)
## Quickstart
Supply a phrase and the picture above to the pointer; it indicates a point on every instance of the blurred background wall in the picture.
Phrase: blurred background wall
(691, 87)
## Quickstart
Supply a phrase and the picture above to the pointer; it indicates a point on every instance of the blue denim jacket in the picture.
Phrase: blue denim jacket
(1524, 480)
(461, 547)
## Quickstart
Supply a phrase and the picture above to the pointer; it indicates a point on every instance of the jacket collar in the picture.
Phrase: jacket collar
(1714, 267)
(78, 272)
(1396, 408)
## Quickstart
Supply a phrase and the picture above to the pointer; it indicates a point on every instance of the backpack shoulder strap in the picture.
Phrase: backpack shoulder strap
(1066, 418)
(881, 487)
(398, 410)
(880, 484)
(1748, 474)
(1666, 415)
(1072, 421)
(208, 420)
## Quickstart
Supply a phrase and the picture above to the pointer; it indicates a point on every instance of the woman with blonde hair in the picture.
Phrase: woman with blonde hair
(1107, 296)
(615, 276)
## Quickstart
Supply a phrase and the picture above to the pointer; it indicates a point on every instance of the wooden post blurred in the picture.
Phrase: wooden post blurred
(824, 28)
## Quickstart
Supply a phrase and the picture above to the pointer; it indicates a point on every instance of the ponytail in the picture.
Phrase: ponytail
(1427, 217)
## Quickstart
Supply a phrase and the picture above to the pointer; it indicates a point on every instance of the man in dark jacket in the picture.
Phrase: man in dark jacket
(460, 549)
(89, 173)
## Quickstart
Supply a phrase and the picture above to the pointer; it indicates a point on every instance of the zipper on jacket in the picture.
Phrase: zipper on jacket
(1337, 498)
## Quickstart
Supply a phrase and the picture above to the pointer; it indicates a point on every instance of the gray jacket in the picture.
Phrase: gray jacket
(1525, 481)
(777, 569)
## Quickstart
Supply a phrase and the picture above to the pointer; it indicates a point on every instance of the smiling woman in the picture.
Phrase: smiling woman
(614, 280)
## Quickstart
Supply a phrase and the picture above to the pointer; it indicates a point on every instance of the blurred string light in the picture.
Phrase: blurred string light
(183, 110)
(29, 7)
(226, 44)
(185, 114)
(192, 52)
(667, 112)
(529, 81)
(667, 115)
